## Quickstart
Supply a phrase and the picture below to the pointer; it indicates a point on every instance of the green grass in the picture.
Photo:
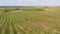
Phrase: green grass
(32, 9)
(38, 22)
(14, 30)
(7, 29)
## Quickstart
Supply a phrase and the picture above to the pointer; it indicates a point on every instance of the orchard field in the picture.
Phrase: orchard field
(30, 21)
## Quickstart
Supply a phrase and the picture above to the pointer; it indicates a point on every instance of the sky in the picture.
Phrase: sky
(29, 2)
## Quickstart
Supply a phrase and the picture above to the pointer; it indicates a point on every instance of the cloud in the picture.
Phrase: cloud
(29, 2)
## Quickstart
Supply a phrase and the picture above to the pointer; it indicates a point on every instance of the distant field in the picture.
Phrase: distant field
(31, 21)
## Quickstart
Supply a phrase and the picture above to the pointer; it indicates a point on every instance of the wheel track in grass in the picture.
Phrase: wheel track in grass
(19, 25)
(7, 31)
(38, 28)
(4, 20)
(34, 27)
(19, 17)
(46, 28)
(4, 28)
(14, 29)
(7, 27)
(1, 24)
(10, 25)
(14, 21)
(22, 19)
(15, 26)
(29, 27)
(1, 17)
(11, 28)
(4, 24)
(20, 28)
(43, 29)
(1, 20)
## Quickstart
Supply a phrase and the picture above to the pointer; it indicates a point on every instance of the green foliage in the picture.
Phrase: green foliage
(7, 10)
(40, 9)
(33, 9)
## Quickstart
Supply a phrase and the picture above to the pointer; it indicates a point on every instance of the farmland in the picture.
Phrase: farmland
(31, 21)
